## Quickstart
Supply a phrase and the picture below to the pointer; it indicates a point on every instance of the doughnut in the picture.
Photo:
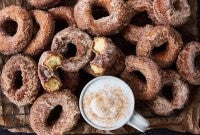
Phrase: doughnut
(44, 35)
(171, 12)
(43, 3)
(106, 56)
(161, 43)
(19, 80)
(51, 75)
(15, 41)
(110, 24)
(188, 63)
(133, 32)
(83, 43)
(63, 17)
(54, 113)
(147, 85)
(180, 93)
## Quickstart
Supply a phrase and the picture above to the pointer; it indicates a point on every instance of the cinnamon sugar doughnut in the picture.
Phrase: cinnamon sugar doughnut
(54, 113)
(165, 37)
(143, 88)
(107, 25)
(188, 63)
(51, 75)
(163, 106)
(15, 42)
(44, 35)
(133, 32)
(106, 56)
(83, 43)
(171, 12)
(20, 91)
(63, 15)
(43, 3)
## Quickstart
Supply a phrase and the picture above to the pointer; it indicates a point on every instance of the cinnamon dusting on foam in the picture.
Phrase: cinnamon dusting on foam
(107, 107)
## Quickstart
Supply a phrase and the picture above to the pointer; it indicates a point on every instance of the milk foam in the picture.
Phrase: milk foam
(107, 103)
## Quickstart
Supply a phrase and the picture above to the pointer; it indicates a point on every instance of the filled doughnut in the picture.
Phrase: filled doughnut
(51, 75)
(54, 113)
(15, 29)
(188, 63)
(19, 80)
(44, 33)
(43, 3)
(81, 52)
(144, 77)
(135, 30)
(172, 81)
(63, 17)
(171, 12)
(161, 43)
(106, 56)
(112, 22)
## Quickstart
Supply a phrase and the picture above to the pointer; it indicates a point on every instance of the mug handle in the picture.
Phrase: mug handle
(138, 122)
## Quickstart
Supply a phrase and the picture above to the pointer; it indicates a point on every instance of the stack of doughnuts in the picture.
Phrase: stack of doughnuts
(48, 56)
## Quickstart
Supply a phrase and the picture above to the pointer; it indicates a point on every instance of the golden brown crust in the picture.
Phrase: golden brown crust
(43, 3)
(171, 12)
(142, 90)
(42, 107)
(64, 13)
(108, 25)
(162, 106)
(186, 63)
(16, 43)
(83, 43)
(27, 93)
(44, 34)
(156, 37)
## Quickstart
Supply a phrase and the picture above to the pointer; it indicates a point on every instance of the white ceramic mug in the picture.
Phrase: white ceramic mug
(132, 118)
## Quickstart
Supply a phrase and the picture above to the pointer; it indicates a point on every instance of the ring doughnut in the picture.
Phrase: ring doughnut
(162, 44)
(14, 16)
(20, 91)
(108, 25)
(105, 57)
(180, 93)
(44, 35)
(171, 12)
(146, 87)
(133, 32)
(51, 75)
(83, 43)
(62, 15)
(188, 63)
(54, 113)
(43, 3)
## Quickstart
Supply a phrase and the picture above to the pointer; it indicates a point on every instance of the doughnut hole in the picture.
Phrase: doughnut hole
(61, 75)
(18, 81)
(141, 19)
(99, 12)
(53, 62)
(60, 24)
(9, 27)
(139, 76)
(36, 28)
(177, 5)
(160, 49)
(167, 91)
(197, 61)
(53, 84)
(71, 50)
(54, 115)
